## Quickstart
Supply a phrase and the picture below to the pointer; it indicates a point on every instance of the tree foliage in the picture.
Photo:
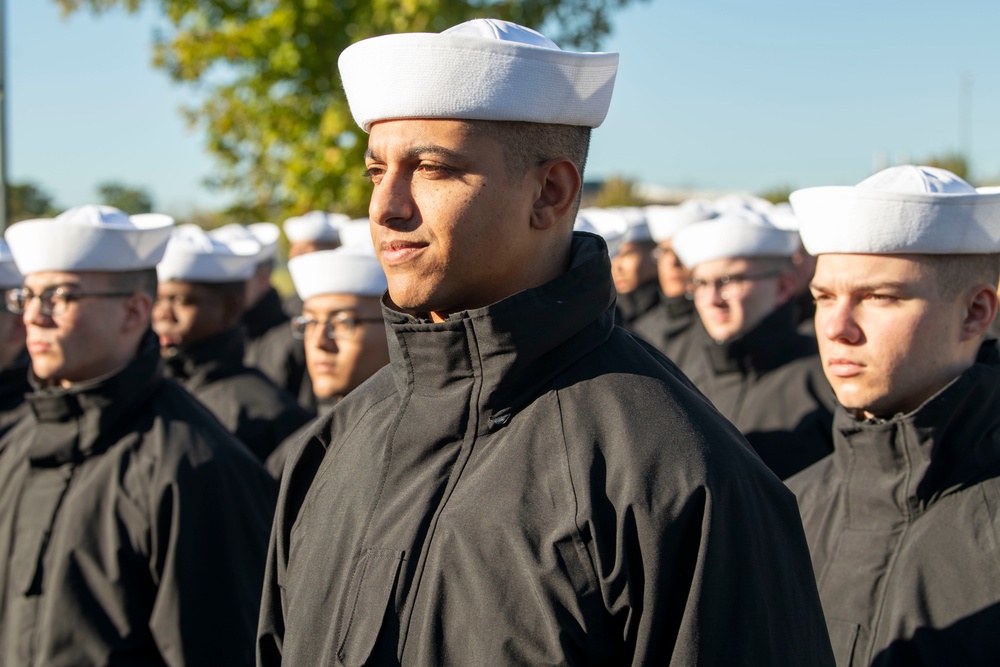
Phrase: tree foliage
(616, 191)
(26, 201)
(953, 162)
(127, 198)
(274, 112)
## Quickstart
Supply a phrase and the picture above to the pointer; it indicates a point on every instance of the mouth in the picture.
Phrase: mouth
(323, 368)
(38, 347)
(166, 340)
(398, 252)
(844, 368)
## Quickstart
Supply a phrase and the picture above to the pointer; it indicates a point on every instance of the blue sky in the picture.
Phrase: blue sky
(746, 95)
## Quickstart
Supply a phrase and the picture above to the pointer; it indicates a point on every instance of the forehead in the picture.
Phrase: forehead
(42, 280)
(843, 271)
(722, 267)
(184, 288)
(322, 304)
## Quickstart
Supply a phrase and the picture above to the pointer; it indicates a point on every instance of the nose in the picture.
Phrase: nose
(162, 311)
(33, 313)
(838, 323)
(320, 340)
(392, 200)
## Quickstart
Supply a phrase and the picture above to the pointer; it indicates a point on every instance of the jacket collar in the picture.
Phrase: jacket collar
(759, 350)
(947, 443)
(207, 360)
(515, 346)
(639, 301)
(81, 420)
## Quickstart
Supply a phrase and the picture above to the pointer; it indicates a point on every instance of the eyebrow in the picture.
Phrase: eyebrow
(417, 152)
(53, 286)
(871, 287)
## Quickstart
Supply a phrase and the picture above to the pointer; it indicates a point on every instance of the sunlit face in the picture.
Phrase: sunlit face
(887, 339)
(337, 366)
(733, 296)
(451, 227)
(674, 276)
(85, 341)
(632, 267)
(186, 313)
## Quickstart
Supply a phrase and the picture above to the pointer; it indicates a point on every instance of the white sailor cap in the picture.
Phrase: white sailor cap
(266, 234)
(738, 201)
(195, 256)
(357, 233)
(346, 270)
(9, 275)
(484, 69)
(318, 226)
(89, 238)
(901, 210)
(608, 223)
(736, 234)
(665, 221)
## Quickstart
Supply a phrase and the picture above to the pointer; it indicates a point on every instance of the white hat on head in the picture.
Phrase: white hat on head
(737, 201)
(9, 275)
(317, 226)
(665, 221)
(611, 224)
(900, 210)
(194, 256)
(739, 233)
(484, 69)
(346, 270)
(357, 233)
(638, 229)
(266, 235)
(89, 238)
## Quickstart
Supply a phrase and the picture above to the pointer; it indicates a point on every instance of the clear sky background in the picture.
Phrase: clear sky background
(719, 94)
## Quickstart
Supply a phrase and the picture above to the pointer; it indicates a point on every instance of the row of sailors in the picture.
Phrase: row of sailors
(526, 483)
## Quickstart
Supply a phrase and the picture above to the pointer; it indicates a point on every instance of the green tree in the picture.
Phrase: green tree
(26, 201)
(129, 199)
(953, 162)
(777, 195)
(617, 191)
(274, 112)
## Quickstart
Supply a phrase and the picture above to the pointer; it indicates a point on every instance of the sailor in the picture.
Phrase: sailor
(341, 323)
(14, 359)
(667, 324)
(133, 527)
(269, 342)
(901, 519)
(525, 483)
(199, 304)
(314, 231)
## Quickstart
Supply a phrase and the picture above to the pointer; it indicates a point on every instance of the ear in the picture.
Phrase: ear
(558, 186)
(785, 286)
(138, 310)
(232, 309)
(980, 310)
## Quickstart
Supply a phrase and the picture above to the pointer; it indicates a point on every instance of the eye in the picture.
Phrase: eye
(374, 173)
(434, 169)
(822, 298)
(882, 299)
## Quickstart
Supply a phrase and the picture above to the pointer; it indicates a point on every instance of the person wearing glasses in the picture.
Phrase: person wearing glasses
(133, 526)
(197, 313)
(341, 324)
(525, 483)
(747, 356)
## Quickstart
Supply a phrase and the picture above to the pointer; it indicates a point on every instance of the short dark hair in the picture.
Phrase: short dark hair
(958, 272)
(525, 144)
(143, 281)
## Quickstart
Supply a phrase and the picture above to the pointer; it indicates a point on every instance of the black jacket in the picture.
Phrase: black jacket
(247, 403)
(903, 523)
(271, 348)
(133, 528)
(527, 484)
(666, 326)
(13, 387)
(634, 305)
(275, 462)
(770, 384)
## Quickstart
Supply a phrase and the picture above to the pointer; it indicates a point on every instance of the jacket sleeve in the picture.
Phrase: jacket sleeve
(211, 517)
(698, 549)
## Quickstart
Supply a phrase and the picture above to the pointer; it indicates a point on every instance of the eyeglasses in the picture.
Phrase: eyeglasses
(339, 327)
(729, 287)
(54, 300)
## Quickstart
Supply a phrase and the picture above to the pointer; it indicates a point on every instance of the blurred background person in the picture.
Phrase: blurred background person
(313, 231)
(14, 359)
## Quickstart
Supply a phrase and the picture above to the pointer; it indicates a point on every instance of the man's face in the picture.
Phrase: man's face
(733, 296)
(84, 339)
(674, 276)
(633, 266)
(185, 313)
(887, 339)
(451, 227)
(339, 365)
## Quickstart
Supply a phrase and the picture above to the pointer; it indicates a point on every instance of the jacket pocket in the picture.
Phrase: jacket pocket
(844, 639)
(379, 572)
